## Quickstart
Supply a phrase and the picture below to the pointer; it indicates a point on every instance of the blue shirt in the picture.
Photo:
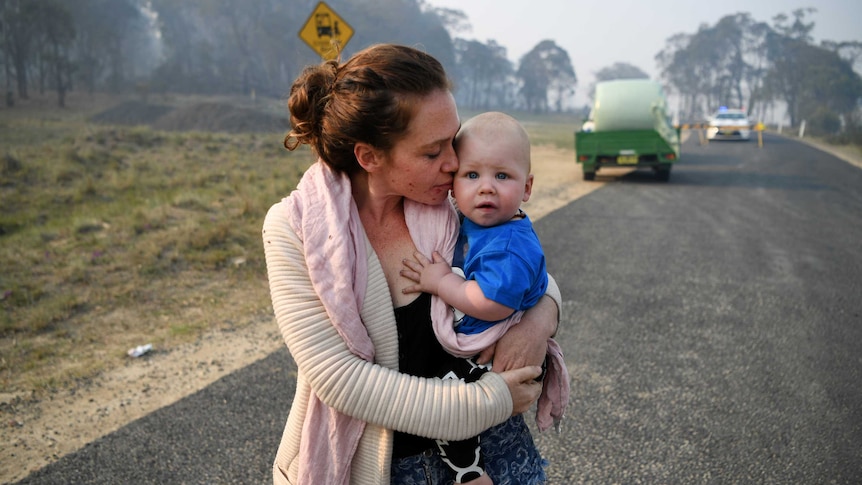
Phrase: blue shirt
(506, 261)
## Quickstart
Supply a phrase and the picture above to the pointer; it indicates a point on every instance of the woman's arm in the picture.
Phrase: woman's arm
(367, 391)
(527, 342)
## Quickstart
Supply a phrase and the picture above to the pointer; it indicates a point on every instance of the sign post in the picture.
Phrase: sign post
(325, 32)
(759, 127)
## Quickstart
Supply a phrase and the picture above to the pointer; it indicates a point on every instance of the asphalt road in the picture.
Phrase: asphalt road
(712, 325)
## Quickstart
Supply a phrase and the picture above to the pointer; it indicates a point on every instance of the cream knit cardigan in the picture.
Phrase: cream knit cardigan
(374, 392)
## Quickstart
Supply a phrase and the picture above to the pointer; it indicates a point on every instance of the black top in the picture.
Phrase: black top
(419, 354)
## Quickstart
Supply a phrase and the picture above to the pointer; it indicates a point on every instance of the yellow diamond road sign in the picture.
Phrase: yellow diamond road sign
(325, 32)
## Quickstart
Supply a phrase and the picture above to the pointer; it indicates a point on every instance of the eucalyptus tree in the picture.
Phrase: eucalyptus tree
(19, 21)
(718, 65)
(737, 39)
(483, 75)
(836, 92)
(816, 84)
(57, 30)
(688, 66)
(798, 29)
(786, 44)
(677, 64)
(850, 51)
(187, 59)
(453, 20)
(94, 42)
(222, 46)
(408, 22)
(244, 35)
(112, 45)
(219, 46)
(546, 72)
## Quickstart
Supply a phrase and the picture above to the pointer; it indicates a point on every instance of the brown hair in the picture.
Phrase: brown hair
(370, 98)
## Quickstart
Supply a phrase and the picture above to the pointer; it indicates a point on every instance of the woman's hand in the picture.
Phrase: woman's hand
(527, 342)
(523, 387)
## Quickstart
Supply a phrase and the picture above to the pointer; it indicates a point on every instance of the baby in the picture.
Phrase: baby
(499, 252)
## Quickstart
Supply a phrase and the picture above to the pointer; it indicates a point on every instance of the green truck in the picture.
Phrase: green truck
(628, 127)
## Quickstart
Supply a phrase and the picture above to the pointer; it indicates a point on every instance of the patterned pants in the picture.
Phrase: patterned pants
(464, 457)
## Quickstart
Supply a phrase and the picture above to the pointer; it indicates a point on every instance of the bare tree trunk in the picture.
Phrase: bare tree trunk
(61, 94)
(21, 77)
(43, 74)
(10, 98)
(61, 90)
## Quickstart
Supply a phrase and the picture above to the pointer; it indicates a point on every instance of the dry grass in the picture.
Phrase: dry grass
(116, 236)
(111, 237)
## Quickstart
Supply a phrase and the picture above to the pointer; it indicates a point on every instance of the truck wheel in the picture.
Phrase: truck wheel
(589, 175)
(662, 174)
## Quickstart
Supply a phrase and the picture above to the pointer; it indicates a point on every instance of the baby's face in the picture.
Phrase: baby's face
(493, 180)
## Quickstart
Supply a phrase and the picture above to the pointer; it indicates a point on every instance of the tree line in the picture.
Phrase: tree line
(745, 63)
(226, 47)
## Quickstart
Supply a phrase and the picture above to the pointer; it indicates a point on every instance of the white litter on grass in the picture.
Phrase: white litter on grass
(140, 350)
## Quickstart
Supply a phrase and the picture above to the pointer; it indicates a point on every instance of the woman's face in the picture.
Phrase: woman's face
(422, 164)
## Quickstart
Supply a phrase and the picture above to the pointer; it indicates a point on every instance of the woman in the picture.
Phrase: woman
(382, 125)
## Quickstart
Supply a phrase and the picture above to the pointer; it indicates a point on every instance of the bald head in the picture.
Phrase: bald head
(498, 128)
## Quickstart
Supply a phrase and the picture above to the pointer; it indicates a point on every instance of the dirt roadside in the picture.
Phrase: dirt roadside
(35, 434)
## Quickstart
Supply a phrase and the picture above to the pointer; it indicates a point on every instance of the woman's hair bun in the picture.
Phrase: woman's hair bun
(308, 98)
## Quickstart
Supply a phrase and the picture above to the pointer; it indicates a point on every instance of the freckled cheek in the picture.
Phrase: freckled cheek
(404, 179)
(407, 179)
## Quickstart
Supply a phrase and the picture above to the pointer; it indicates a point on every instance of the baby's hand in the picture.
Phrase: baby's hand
(425, 273)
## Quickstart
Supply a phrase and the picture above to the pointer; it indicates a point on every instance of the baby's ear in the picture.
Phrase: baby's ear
(528, 188)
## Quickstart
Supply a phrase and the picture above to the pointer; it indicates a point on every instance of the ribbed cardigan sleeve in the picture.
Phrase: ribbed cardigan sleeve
(553, 291)
(368, 391)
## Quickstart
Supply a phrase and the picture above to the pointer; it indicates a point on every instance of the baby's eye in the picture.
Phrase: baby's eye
(472, 175)
(502, 176)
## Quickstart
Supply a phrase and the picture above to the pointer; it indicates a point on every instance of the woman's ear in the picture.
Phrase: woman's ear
(368, 157)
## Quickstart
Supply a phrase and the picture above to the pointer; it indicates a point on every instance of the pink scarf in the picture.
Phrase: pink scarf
(323, 214)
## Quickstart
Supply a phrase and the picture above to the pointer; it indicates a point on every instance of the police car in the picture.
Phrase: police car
(729, 124)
